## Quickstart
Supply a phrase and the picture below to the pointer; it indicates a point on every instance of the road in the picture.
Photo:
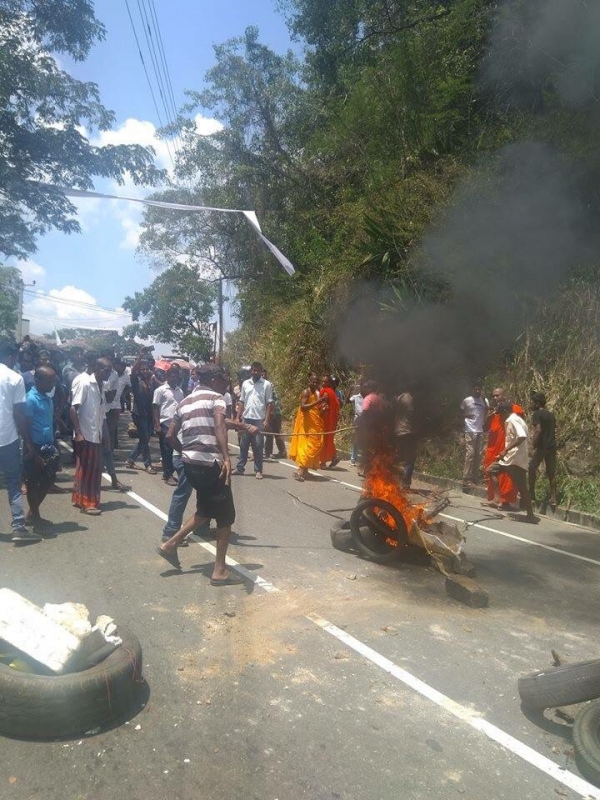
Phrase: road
(324, 676)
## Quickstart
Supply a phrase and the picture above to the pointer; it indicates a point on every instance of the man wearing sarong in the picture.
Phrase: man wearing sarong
(512, 459)
(307, 439)
(87, 416)
(330, 413)
(495, 445)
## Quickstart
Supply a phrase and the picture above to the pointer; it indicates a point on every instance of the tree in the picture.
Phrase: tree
(176, 308)
(11, 285)
(44, 113)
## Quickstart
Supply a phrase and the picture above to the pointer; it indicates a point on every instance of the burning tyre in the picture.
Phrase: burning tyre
(378, 530)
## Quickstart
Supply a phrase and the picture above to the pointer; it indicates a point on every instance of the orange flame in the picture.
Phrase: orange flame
(383, 483)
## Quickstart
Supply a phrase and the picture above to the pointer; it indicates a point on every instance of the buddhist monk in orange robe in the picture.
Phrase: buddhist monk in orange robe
(330, 413)
(495, 445)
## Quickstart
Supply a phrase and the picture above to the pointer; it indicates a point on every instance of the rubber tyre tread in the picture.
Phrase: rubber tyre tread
(561, 686)
(367, 542)
(586, 741)
(50, 707)
(341, 536)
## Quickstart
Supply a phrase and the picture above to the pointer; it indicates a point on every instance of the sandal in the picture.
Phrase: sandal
(297, 476)
(230, 580)
(129, 464)
(91, 512)
(172, 558)
(150, 470)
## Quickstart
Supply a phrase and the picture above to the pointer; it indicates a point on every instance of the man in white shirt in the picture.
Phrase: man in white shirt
(12, 422)
(164, 406)
(255, 407)
(113, 409)
(513, 460)
(87, 416)
(473, 409)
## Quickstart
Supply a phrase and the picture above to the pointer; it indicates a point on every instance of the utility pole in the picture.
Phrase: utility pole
(220, 357)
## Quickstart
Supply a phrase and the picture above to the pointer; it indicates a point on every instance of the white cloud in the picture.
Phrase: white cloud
(70, 307)
(138, 131)
(31, 272)
(205, 126)
(93, 212)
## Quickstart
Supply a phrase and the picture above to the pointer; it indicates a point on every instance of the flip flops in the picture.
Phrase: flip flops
(171, 558)
(230, 580)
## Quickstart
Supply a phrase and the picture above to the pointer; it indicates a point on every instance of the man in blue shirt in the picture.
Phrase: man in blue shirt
(42, 457)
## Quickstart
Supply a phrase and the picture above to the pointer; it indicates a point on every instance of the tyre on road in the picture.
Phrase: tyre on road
(372, 536)
(49, 707)
(341, 536)
(561, 686)
(586, 741)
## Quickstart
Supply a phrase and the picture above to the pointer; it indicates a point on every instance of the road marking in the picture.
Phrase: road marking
(467, 715)
(522, 539)
(557, 550)
(256, 579)
(470, 716)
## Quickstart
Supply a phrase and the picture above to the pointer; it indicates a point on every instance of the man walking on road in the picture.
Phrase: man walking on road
(41, 457)
(513, 460)
(113, 409)
(274, 429)
(544, 446)
(12, 422)
(200, 423)
(87, 416)
(141, 378)
(254, 408)
(473, 409)
(495, 445)
(164, 405)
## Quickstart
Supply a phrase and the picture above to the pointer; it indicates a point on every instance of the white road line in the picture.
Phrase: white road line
(557, 550)
(471, 717)
(256, 579)
(522, 539)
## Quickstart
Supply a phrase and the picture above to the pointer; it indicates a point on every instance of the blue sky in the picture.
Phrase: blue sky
(98, 267)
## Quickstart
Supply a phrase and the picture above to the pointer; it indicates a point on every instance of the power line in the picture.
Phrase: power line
(66, 323)
(137, 41)
(166, 70)
(158, 57)
(76, 303)
(153, 56)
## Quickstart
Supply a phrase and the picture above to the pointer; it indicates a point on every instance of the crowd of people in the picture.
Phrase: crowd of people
(191, 414)
(498, 439)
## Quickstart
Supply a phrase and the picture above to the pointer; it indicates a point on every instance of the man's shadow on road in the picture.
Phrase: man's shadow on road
(206, 569)
(49, 532)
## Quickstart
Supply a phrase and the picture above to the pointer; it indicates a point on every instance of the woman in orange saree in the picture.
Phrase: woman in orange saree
(331, 413)
(307, 441)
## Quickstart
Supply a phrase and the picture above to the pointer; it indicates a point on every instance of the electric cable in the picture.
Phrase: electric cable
(137, 41)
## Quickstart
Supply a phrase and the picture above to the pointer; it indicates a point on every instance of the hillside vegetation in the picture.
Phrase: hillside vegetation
(432, 170)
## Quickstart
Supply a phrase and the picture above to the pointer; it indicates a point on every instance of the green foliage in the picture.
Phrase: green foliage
(176, 308)
(42, 111)
(352, 155)
(11, 285)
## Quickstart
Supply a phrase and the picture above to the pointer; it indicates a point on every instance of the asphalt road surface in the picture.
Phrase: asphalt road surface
(324, 676)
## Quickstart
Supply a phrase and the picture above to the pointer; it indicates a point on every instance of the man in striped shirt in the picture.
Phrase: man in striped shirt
(198, 431)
